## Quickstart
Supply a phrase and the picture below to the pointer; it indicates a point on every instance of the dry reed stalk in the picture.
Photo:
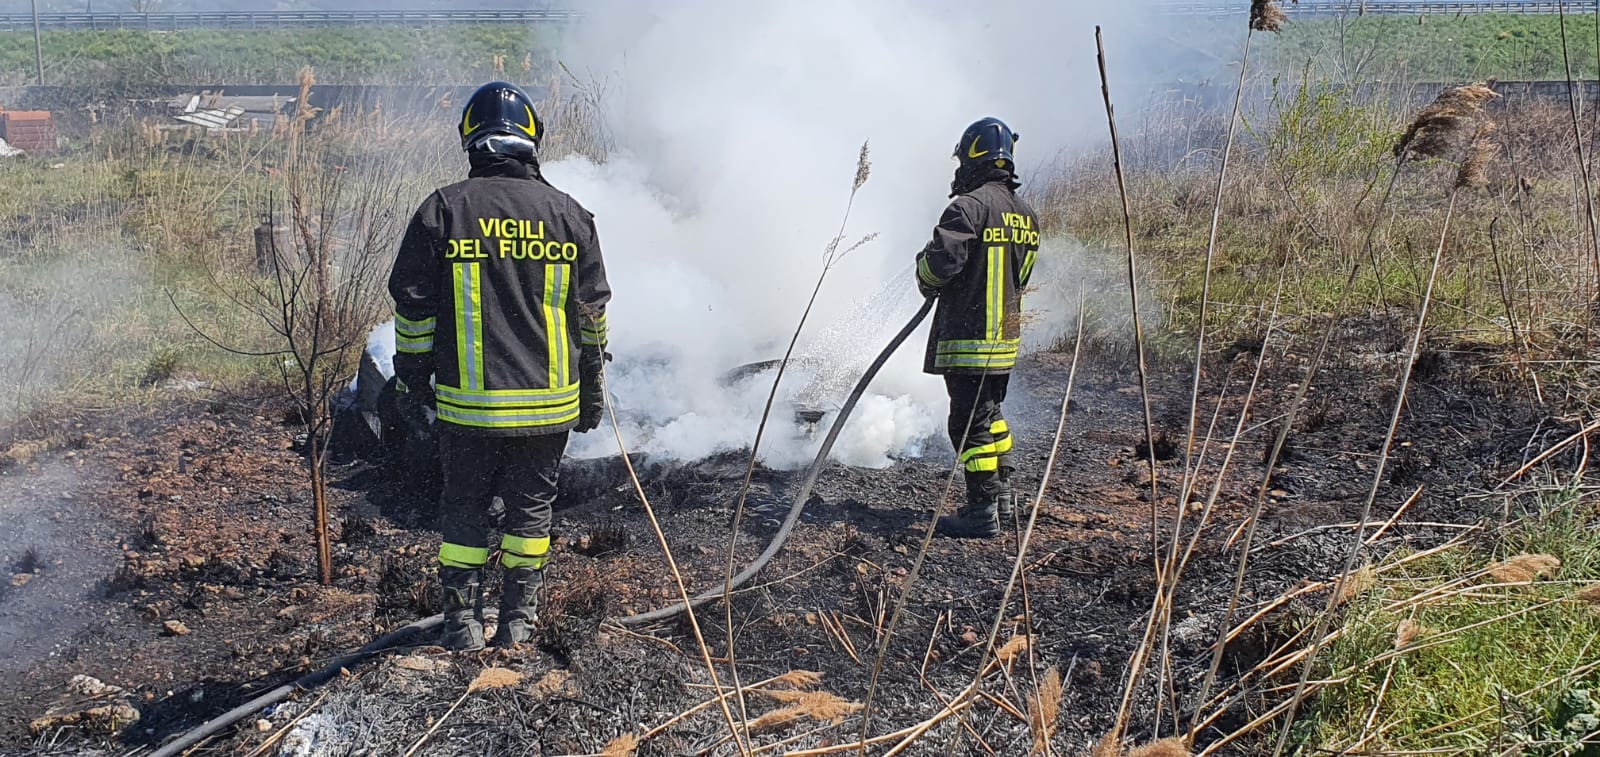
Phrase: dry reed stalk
(863, 172)
(1043, 709)
(622, 746)
(1524, 568)
(1141, 654)
(677, 578)
(1377, 481)
(1577, 141)
(1264, 16)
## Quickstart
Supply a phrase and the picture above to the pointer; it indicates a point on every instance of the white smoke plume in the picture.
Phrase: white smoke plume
(738, 125)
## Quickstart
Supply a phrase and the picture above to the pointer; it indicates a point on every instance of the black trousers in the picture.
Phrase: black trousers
(522, 471)
(978, 430)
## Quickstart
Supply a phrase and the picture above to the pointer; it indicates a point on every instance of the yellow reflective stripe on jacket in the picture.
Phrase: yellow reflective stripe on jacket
(414, 337)
(1027, 267)
(499, 398)
(458, 556)
(524, 552)
(999, 354)
(469, 323)
(555, 321)
(996, 310)
(407, 327)
(509, 418)
(925, 273)
(593, 330)
(507, 408)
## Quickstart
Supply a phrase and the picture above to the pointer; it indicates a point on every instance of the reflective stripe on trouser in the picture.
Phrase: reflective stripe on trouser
(986, 441)
(522, 471)
(524, 552)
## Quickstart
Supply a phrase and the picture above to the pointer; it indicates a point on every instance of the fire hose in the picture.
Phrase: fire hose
(396, 637)
(309, 681)
(804, 492)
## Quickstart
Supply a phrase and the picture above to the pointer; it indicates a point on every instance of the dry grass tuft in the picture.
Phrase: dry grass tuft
(801, 679)
(863, 168)
(1108, 746)
(1474, 172)
(819, 706)
(1524, 568)
(494, 678)
(1407, 632)
(623, 746)
(1266, 16)
(1355, 584)
(1043, 708)
(1172, 747)
(550, 684)
(1590, 594)
(1013, 648)
(1445, 126)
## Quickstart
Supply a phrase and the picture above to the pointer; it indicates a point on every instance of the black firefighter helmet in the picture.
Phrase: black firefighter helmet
(500, 108)
(987, 142)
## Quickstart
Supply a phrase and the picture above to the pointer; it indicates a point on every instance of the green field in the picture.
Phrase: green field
(1438, 48)
(350, 55)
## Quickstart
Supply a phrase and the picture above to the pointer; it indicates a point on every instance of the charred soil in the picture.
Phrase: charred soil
(171, 556)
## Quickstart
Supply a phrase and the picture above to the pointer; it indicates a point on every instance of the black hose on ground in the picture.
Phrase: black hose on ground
(804, 493)
(308, 681)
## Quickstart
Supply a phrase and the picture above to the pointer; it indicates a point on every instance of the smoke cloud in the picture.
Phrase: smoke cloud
(738, 126)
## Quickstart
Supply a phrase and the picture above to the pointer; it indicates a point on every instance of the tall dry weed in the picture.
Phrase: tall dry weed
(1043, 709)
(1266, 16)
(1443, 128)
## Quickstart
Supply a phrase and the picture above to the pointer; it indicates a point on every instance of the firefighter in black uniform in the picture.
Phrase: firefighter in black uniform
(500, 325)
(980, 259)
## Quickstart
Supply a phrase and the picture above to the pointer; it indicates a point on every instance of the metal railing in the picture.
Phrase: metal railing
(17, 22)
(1381, 7)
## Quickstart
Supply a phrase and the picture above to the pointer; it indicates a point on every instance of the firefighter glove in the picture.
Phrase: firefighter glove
(928, 292)
(591, 389)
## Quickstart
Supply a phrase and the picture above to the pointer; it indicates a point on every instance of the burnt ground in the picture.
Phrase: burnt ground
(197, 514)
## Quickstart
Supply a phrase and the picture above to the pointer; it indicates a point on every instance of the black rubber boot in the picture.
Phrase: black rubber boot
(519, 606)
(1005, 505)
(976, 520)
(463, 608)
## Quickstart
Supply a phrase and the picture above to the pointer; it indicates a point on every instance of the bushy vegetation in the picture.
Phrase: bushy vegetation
(1477, 649)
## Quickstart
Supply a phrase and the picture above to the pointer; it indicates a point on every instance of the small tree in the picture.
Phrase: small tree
(319, 288)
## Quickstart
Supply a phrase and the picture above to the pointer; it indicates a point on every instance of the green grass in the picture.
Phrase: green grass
(454, 55)
(1438, 48)
(1491, 668)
